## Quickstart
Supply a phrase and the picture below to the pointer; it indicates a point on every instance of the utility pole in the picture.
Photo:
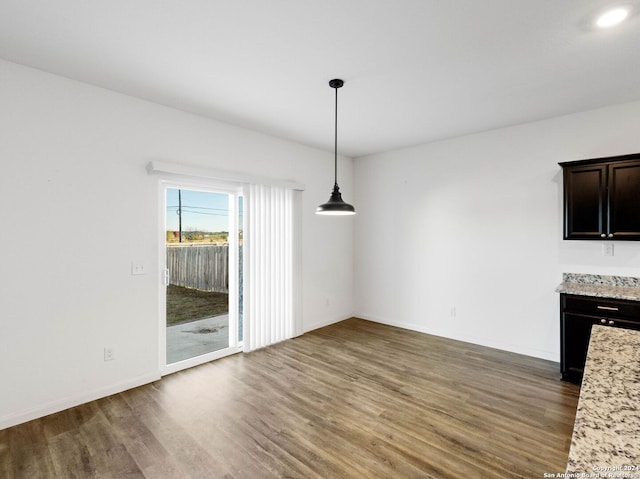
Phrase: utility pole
(180, 215)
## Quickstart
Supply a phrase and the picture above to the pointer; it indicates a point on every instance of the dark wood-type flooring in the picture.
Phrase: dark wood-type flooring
(355, 399)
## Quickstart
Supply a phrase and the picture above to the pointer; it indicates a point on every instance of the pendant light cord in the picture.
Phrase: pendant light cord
(335, 143)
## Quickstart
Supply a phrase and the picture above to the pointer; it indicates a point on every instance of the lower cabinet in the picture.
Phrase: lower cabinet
(577, 315)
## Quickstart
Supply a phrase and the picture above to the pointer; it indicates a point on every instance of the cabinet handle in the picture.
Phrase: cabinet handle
(603, 321)
(610, 235)
(603, 235)
(608, 308)
(611, 323)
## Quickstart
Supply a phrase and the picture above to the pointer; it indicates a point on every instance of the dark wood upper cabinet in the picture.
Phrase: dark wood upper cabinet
(602, 198)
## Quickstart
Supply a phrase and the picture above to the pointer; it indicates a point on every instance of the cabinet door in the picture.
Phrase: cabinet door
(624, 200)
(575, 332)
(574, 342)
(584, 201)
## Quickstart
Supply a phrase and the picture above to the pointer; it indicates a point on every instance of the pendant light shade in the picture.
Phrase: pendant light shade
(336, 205)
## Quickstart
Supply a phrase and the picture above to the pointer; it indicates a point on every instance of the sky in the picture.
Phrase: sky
(201, 211)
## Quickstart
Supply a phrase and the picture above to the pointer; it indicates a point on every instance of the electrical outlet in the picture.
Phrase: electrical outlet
(607, 249)
(453, 312)
(109, 353)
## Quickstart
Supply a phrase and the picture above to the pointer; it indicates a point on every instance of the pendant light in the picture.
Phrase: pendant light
(336, 206)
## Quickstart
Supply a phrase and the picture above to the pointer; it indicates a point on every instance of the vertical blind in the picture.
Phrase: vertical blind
(269, 248)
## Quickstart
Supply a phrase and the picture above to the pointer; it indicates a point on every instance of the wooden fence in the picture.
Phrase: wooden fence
(203, 267)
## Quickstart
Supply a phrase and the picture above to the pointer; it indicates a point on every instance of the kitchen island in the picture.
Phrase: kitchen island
(606, 435)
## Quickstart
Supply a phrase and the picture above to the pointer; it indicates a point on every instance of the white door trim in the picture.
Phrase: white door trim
(234, 191)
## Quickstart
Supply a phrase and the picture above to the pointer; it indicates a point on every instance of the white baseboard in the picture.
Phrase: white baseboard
(547, 355)
(325, 323)
(60, 405)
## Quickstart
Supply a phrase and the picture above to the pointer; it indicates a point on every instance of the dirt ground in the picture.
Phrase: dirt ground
(185, 304)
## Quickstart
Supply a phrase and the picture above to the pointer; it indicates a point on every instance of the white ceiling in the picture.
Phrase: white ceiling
(415, 71)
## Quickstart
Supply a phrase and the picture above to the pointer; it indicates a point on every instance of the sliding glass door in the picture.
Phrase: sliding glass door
(203, 238)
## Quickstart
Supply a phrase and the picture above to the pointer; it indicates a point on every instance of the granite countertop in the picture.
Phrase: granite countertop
(616, 287)
(606, 435)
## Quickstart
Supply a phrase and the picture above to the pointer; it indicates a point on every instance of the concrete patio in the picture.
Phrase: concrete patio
(187, 340)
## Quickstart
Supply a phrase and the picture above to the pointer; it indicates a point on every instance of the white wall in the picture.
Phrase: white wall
(475, 224)
(77, 207)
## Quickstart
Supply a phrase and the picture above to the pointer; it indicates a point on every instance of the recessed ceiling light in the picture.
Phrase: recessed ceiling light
(612, 17)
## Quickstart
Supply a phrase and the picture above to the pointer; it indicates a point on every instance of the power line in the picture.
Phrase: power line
(198, 207)
(202, 213)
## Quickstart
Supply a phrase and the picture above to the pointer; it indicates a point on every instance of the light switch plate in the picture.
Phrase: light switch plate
(137, 268)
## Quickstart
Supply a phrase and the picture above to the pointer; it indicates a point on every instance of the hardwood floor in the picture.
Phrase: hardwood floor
(355, 399)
